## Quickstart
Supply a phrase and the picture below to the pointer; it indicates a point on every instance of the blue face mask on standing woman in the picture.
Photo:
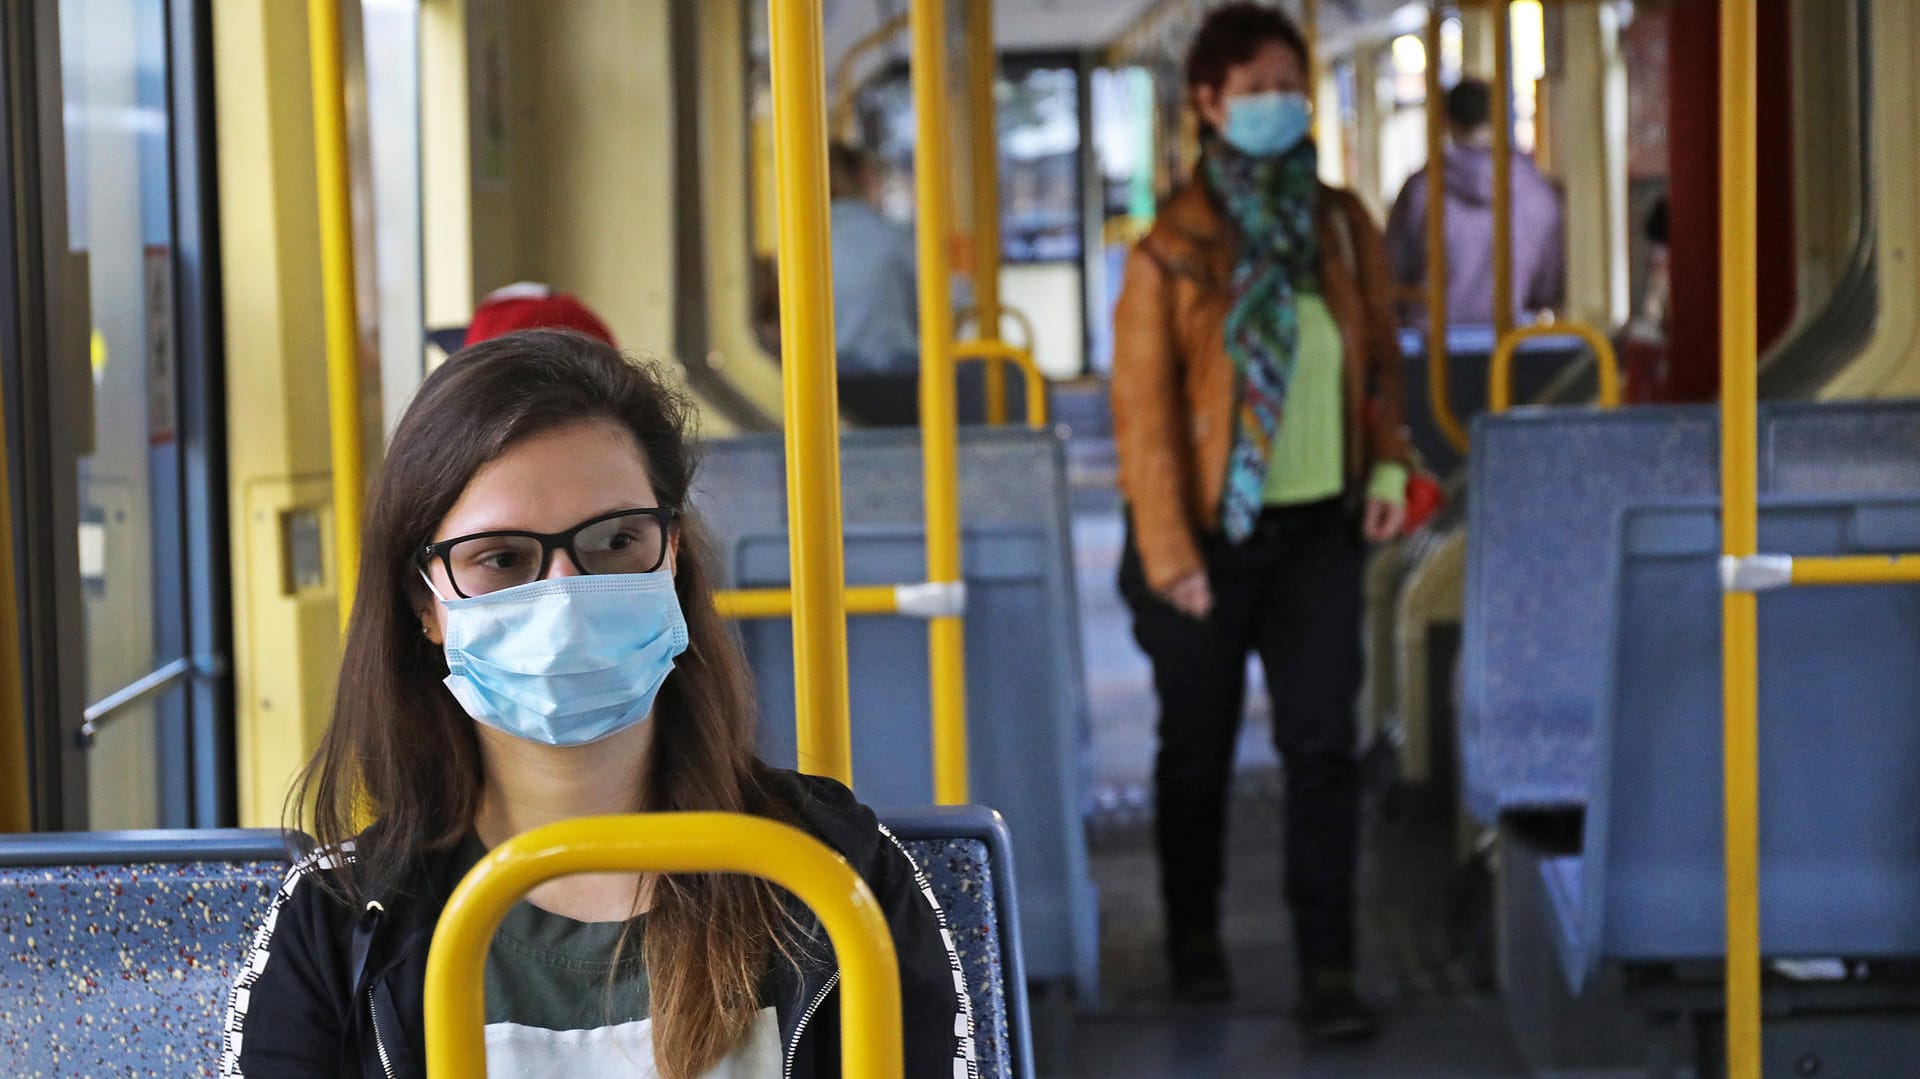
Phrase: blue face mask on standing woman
(1267, 125)
(567, 661)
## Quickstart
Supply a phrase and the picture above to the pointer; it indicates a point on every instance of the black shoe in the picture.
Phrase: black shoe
(1200, 974)
(1330, 1010)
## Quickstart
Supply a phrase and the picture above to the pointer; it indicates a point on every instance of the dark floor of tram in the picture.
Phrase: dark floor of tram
(1424, 948)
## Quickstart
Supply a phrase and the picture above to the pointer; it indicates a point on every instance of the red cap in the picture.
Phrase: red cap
(531, 306)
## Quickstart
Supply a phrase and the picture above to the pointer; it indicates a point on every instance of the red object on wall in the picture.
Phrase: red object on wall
(1693, 86)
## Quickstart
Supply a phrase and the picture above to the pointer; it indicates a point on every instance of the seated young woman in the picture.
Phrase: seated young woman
(535, 639)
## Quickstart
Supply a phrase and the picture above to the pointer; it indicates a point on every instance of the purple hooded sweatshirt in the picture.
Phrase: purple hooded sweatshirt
(1539, 261)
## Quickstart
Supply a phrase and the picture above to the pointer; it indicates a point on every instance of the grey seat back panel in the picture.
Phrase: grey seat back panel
(1839, 744)
(1547, 485)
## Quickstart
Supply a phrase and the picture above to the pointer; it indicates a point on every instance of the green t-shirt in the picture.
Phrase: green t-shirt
(1309, 449)
(557, 1007)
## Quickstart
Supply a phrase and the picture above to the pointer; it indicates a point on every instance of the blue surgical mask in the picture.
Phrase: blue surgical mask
(1266, 125)
(566, 661)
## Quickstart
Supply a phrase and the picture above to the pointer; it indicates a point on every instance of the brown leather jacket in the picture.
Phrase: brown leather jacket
(1173, 382)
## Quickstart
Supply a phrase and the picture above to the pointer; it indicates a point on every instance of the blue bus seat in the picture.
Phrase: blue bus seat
(120, 947)
(893, 400)
(1540, 362)
(1026, 697)
(967, 856)
(1547, 485)
(1839, 748)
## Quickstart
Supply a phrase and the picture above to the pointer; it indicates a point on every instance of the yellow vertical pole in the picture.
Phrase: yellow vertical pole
(983, 126)
(939, 420)
(337, 287)
(1502, 169)
(812, 399)
(1739, 347)
(1437, 374)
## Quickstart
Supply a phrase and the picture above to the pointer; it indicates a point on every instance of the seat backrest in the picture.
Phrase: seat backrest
(1839, 743)
(120, 947)
(1025, 686)
(967, 859)
(1547, 485)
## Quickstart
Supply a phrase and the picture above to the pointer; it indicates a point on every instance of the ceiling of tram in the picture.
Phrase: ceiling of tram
(1026, 25)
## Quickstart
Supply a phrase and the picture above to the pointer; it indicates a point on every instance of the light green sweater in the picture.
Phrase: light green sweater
(1307, 452)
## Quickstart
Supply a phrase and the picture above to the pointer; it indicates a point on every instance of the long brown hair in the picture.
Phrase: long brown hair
(400, 750)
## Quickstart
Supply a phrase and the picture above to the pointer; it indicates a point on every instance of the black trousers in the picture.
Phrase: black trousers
(1292, 592)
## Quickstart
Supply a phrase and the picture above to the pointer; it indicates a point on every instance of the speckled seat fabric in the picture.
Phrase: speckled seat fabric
(967, 859)
(962, 880)
(116, 966)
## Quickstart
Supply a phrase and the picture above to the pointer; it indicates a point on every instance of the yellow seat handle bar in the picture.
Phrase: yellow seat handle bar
(970, 319)
(998, 352)
(665, 843)
(1500, 370)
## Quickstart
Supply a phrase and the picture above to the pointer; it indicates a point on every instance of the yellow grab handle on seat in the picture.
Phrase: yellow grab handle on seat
(665, 843)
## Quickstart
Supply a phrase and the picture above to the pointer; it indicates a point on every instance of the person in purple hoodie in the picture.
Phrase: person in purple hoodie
(1539, 246)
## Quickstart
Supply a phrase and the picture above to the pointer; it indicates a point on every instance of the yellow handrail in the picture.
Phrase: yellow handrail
(1438, 376)
(996, 353)
(870, 1041)
(982, 124)
(1500, 369)
(1502, 168)
(846, 91)
(1856, 569)
(939, 419)
(812, 399)
(742, 603)
(970, 318)
(1739, 352)
(337, 288)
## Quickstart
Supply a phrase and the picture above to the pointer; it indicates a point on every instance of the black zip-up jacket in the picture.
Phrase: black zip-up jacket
(329, 992)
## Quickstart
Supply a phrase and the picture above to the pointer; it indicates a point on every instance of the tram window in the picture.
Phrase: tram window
(119, 201)
(1040, 166)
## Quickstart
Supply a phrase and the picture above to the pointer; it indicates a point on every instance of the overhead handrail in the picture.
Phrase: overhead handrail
(846, 91)
(1500, 368)
(1438, 376)
(817, 558)
(333, 168)
(998, 355)
(939, 417)
(870, 1043)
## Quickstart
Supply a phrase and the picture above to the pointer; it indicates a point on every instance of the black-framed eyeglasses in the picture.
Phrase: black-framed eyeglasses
(625, 541)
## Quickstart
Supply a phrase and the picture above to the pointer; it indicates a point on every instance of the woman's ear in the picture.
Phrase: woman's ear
(429, 618)
(1210, 106)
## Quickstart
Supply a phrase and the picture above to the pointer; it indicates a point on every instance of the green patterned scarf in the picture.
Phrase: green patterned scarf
(1271, 200)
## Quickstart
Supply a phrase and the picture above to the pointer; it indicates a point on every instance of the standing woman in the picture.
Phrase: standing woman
(1257, 410)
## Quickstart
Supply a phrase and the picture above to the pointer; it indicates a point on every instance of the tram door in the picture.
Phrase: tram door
(116, 455)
